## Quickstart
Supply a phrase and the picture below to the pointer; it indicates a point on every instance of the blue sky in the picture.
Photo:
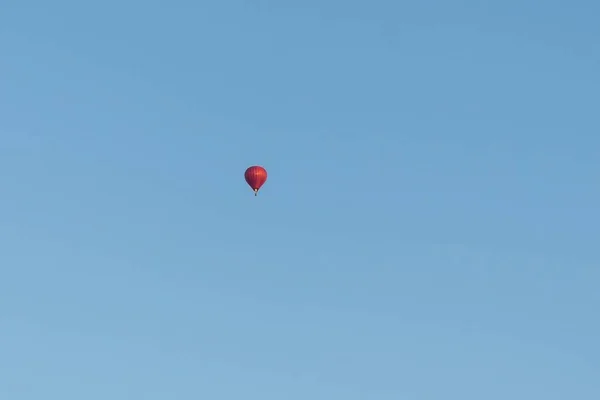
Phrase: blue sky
(429, 229)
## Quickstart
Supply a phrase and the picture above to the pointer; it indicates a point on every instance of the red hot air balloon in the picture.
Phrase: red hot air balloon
(256, 176)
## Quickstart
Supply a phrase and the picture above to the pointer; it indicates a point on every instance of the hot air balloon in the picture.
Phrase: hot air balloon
(256, 176)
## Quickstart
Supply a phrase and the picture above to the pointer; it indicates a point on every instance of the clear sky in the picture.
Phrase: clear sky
(430, 228)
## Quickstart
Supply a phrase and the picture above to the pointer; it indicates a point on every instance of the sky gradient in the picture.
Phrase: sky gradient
(430, 228)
